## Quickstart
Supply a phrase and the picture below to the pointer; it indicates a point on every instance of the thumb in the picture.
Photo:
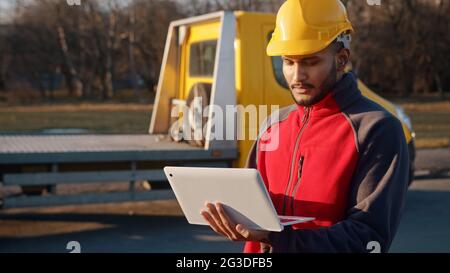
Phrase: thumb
(242, 230)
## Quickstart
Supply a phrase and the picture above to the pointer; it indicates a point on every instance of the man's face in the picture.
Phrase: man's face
(311, 77)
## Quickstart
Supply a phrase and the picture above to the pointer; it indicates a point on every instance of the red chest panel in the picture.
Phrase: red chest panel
(310, 171)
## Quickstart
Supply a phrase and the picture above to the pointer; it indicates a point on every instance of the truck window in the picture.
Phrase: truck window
(202, 58)
(277, 66)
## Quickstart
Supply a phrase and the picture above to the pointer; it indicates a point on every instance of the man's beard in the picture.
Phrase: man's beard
(324, 88)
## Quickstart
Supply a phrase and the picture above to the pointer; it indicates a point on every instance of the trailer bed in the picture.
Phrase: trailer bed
(21, 149)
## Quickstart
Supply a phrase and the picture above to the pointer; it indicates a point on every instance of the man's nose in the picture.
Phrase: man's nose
(299, 73)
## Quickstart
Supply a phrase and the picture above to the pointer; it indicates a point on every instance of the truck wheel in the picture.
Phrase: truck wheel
(176, 131)
(197, 101)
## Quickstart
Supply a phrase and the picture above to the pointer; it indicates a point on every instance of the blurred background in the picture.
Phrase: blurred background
(94, 68)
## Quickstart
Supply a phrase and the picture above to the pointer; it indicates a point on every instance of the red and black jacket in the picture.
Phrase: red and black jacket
(344, 161)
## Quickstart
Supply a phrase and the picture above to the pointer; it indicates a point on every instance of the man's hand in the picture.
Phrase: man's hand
(222, 224)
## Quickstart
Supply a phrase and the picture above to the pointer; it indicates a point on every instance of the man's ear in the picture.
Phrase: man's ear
(342, 58)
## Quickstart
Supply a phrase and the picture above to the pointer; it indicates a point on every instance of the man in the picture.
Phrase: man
(341, 158)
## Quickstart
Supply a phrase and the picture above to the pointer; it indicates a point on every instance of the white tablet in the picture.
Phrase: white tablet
(241, 191)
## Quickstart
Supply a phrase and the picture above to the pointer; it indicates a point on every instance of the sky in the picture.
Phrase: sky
(5, 8)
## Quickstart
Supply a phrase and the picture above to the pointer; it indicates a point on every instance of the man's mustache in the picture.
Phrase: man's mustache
(302, 86)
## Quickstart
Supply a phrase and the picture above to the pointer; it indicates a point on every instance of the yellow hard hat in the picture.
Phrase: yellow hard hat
(308, 26)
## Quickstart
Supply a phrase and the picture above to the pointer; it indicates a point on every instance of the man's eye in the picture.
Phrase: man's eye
(310, 62)
(288, 62)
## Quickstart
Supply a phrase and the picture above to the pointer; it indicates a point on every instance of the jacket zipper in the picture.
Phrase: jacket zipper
(305, 119)
(300, 168)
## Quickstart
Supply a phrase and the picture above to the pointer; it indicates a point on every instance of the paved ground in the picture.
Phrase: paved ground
(157, 226)
(425, 226)
(433, 159)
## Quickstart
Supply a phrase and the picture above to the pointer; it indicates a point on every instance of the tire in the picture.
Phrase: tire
(176, 131)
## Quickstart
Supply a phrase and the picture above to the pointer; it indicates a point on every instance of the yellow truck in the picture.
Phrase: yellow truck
(221, 57)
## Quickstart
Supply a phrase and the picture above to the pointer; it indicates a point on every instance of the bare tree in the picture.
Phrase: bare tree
(150, 29)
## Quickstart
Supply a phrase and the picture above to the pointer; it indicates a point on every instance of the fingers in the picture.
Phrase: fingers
(215, 215)
(229, 224)
(243, 231)
(222, 224)
(212, 223)
(216, 221)
(253, 235)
